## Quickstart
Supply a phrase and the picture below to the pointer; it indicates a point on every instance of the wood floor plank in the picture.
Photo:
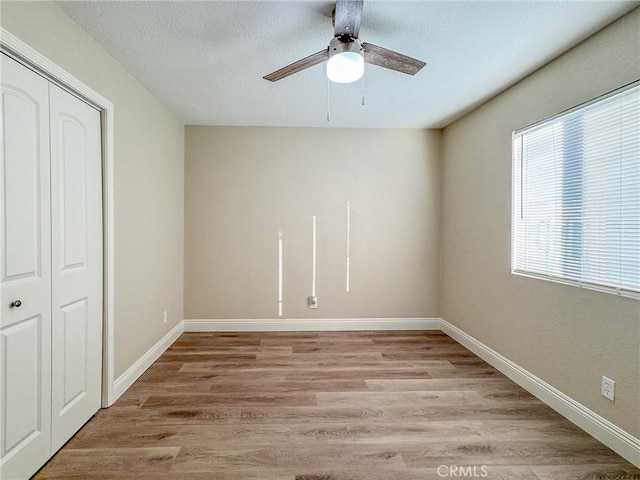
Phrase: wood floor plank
(292, 362)
(294, 386)
(235, 475)
(385, 433)
(321, 356)
(328, 406)
(508, 453)
(110, 436)
(413, 385)
(492, 473)
(235, 399)
(228, 356)
(358, 374)
(131, 461)
(283, 457)
(586, 472)
(305, 367)
(417, 399)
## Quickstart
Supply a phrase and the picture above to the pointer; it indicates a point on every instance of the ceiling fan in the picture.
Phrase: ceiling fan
(345, 55)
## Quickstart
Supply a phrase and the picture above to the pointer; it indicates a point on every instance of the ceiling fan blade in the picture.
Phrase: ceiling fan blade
(348, 16)
(392, 60)
(298, 66)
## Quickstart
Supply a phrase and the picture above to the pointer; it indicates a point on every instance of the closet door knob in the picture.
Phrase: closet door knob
(16, 304)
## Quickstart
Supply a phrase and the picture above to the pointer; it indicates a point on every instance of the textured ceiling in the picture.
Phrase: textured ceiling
(205, 60)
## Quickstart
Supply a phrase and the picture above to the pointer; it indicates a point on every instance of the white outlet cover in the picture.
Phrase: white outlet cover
(313, 302)
(608, 388)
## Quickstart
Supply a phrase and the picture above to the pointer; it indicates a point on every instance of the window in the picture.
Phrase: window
(576, 196)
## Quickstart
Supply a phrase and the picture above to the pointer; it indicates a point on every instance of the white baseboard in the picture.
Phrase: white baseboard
(618, 440)
(124, 381)
(309, 324)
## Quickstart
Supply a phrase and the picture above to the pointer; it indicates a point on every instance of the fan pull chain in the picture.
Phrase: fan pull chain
(328, 100)
(362, 85)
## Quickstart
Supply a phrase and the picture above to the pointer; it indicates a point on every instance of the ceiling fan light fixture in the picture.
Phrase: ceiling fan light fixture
(346, 63)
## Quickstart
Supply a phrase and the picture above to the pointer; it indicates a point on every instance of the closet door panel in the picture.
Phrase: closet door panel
(76, 215)
(25, 272)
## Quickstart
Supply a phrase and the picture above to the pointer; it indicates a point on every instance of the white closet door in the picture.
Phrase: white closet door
(25, 272)
(76, 258)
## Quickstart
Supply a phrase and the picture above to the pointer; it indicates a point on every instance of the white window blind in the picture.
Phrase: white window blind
(576, 196)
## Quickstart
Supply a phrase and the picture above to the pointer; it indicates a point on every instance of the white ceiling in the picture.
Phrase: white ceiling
(205, 60)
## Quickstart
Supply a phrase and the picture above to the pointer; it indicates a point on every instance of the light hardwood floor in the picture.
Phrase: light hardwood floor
(329, 406)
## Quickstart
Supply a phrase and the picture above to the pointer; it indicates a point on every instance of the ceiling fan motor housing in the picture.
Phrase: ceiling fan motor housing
(344, 44)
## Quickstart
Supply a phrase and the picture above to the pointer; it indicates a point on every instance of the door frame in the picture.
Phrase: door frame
(24, 54)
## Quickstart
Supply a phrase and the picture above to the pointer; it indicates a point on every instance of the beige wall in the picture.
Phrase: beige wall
(149, 177)
(243, 185)
(567, 336)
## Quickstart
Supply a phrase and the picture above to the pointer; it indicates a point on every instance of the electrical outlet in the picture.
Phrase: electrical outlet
(608, 388)
(165, 316)
(313, 302)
